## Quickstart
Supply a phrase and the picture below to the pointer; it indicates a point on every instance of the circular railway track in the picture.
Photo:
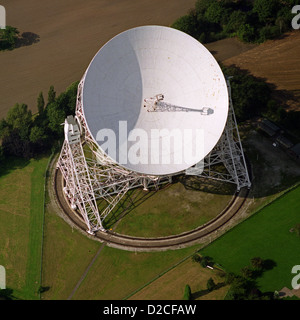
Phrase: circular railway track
(132, 243)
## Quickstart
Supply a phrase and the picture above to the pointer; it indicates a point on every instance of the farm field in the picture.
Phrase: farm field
(276, 61)
(21, 228)
(114, 275)
(66, 44)
(68, 33)
(171, 285)
(267, 234)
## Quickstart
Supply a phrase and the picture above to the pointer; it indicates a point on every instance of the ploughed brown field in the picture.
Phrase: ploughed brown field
(67, 34)
(70, 34)
(278, 62)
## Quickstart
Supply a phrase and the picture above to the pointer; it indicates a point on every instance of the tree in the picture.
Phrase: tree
(187, 24)
(187, 293)
(56, 117)
(230, 278)
(266, 10)
(196, 258)
(1, 154)
(247, 272)
(51, 95)
(214, 12)
(20, 119)
(257, 263)
(235, 21)
(246, 33)
(202, 5)
(40, 103)
(37, 135)
(14, 145)
(206, 261)
(8, 37)
(210, 284)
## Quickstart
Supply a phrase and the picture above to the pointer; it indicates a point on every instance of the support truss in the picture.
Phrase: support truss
(229, 153)
(90, 175)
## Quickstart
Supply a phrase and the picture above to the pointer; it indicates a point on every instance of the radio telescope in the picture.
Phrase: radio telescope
(153, 103)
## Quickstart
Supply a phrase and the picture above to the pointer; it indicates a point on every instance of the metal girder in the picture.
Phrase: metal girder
(229, 152)
(95, 176)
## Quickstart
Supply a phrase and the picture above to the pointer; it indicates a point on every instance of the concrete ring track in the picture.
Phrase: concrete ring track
(132, 243)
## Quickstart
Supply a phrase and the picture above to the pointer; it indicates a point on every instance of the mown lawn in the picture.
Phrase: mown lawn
(171, 210)
(21, 224)
(267, 235)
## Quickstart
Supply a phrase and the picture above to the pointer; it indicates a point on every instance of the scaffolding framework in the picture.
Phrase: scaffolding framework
(88, 178)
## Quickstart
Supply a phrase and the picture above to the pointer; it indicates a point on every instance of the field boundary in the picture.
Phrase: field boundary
(283, 193)
(160, 275)
(45, 189)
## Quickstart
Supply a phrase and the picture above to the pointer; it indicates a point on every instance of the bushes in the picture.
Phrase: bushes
(25, 135)
(246, 33)
(250, 95)
(8, 38)
(251, 21)
(187, 293)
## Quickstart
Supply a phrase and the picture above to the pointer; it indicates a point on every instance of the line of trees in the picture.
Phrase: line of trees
(251, 21)
(26, 135)
(243, 286)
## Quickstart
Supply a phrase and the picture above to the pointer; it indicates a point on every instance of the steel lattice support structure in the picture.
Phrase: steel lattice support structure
(228, 152)
(90, 175)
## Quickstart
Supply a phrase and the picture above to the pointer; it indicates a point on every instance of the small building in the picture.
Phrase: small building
(268, 127)
(284, 142)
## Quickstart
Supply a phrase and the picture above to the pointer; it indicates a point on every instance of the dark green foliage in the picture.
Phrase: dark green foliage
(40, 103)
(20, 118)
(236, 20)
(244, 286)
(266, 10)
(25, 136)
(246, 33)
(187, 293)
(247, 272)
(214, 13)
(51, 95)
(210, 284)
(56, 117)
(251, 21)
(206, 261)
(257, 263)
(187, 24)
(250, 95)
(8, 38)
(196, 258)
(6, 294)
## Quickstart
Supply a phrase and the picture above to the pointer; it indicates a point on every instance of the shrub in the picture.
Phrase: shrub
(187, 293)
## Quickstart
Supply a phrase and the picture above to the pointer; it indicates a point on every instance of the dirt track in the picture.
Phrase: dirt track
(71, 32)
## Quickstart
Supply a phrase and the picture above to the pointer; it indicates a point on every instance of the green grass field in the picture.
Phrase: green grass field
(21, 216)
(115, 273)
(172, 210)
(267, 235)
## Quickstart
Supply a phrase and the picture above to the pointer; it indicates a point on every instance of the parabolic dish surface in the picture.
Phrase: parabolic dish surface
(138, 64)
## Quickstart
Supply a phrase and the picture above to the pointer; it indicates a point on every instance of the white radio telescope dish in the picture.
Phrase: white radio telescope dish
(147, 62)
